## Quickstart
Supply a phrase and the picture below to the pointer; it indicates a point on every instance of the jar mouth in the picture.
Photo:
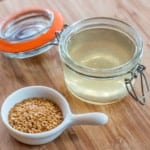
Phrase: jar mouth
(106, 24)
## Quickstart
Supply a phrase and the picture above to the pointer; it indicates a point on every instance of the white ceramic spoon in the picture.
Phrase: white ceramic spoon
(70, 119)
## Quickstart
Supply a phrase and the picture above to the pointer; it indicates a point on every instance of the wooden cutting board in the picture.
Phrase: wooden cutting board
(129, 123)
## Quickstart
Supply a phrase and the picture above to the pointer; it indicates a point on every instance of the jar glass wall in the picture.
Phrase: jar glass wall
(98, 54)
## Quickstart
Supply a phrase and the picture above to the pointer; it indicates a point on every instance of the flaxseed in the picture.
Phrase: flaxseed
(35, 115)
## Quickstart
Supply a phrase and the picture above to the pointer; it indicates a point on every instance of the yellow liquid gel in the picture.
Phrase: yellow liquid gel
(98, 48)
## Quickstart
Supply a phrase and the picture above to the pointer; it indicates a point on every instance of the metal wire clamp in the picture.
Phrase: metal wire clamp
(144, 85)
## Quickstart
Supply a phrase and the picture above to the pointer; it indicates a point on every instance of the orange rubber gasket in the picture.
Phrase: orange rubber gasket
(49, 35)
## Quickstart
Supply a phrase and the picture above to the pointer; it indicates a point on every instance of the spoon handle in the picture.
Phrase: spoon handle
(89, 119)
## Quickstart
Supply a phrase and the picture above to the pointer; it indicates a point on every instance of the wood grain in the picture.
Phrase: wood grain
(129, 124)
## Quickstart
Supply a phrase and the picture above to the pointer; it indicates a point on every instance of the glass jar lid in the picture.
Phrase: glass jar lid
(29, 29)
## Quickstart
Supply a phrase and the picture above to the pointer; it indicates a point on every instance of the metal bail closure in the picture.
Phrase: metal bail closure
(144, 85)
(57, 35)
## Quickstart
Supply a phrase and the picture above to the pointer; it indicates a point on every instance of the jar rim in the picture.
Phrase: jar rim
(106, 22)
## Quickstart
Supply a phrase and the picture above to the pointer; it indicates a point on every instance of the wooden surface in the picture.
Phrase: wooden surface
(129, 123)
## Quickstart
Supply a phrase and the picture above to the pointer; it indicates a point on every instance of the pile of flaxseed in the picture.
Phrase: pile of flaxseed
(35, 115)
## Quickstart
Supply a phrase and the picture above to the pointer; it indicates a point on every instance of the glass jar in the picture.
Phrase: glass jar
(101, 57)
